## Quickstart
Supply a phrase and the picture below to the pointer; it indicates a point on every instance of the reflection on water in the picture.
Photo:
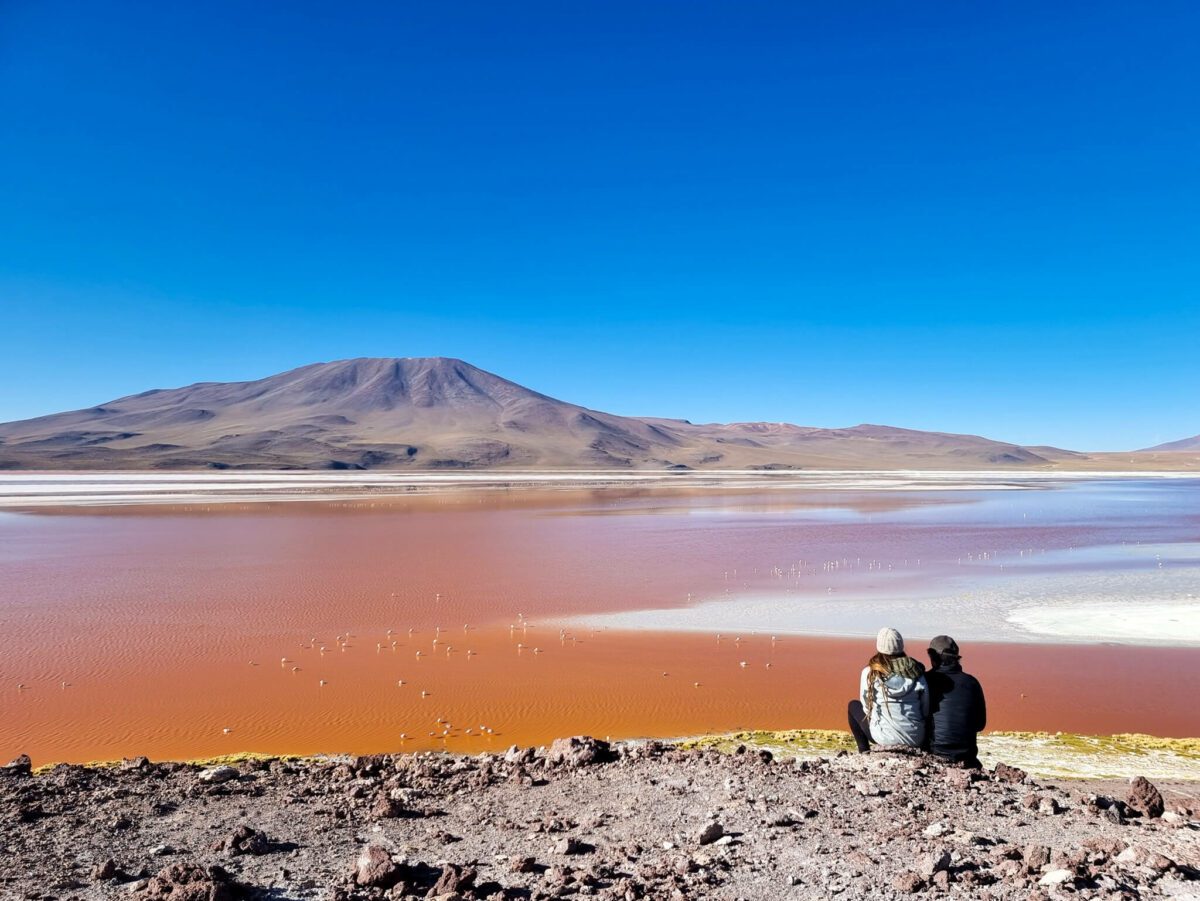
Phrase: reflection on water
(154, 629)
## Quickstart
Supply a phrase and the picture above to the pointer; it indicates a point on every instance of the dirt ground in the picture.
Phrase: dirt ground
(588, 819)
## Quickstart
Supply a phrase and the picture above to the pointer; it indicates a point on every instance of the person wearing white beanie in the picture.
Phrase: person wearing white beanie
(889, 642)
(893, 697)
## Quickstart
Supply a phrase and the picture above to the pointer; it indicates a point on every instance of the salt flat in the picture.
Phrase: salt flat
(1117, 594)
(30, 489)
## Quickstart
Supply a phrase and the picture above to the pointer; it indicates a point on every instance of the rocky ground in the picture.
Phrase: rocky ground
(583, 818)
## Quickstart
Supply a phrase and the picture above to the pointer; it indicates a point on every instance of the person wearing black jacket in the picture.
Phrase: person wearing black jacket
(957, 711)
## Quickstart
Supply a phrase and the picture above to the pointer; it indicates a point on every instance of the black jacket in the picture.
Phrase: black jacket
(957, 712)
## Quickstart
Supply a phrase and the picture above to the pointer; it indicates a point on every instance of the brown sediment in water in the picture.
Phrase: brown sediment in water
(169, 627)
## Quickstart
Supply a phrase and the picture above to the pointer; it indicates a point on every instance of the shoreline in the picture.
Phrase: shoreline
(31, 491)
(1060, 755)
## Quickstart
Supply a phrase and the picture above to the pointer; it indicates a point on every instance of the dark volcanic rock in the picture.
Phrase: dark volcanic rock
(375, 869)
(959, 778)
(18, 766)
(1113, 815)
(387, 809)
(580, 750)
(217, 774)
(245, 840)
(1107, 847)
(1006, 773)
(908, 882)
(453, 879)
(1145, 798)
(29, 813)
(105, 870)
(933, 862)
(191, 882)
(1036, 856)
(570, 845)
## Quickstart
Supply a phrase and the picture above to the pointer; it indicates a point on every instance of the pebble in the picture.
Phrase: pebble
(908, 882)
(933, 862)
(217, 774)
(1056, 877)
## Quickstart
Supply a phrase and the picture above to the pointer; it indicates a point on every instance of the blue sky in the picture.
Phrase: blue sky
(964, 217)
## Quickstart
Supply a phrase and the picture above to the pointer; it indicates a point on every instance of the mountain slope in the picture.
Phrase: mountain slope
(1184, 445)
(351, 413)
(433, 413)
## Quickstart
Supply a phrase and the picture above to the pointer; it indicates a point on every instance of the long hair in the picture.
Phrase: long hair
(883, 665)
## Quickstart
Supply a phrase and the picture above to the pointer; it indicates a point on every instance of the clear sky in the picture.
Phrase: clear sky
(976, 217)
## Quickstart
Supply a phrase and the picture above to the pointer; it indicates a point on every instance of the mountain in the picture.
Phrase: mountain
(441, 413)
(1183, 445)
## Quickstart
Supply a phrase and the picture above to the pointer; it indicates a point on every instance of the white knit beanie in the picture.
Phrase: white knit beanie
(889, 641)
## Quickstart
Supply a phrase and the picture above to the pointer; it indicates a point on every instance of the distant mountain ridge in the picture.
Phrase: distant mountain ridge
(1183, 445)
(444, 413)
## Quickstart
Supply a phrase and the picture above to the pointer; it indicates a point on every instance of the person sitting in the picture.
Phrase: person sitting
(957, 711)
(893, 698)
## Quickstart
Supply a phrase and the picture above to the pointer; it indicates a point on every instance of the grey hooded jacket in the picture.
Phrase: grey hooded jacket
(899, 709)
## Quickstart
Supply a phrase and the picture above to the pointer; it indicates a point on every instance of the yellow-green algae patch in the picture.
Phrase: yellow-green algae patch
(1059, 755)
(805, 742)
(1070, 756)
(219, 760)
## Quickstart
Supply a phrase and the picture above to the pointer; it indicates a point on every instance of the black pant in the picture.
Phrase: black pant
(859, 727)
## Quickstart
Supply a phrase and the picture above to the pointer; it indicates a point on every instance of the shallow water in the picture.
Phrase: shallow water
(153, 629)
